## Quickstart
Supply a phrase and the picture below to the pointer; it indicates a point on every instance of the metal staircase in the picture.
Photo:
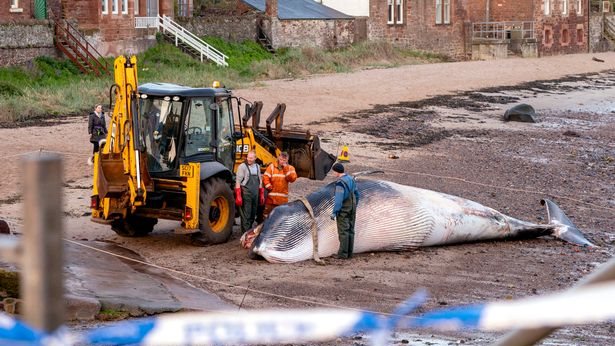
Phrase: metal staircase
(186, 40)
(73, 44)
(263, 39)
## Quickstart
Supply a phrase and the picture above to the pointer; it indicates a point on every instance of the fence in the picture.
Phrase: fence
(503, 30)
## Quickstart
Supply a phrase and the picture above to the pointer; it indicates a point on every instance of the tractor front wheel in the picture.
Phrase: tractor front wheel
(217, 212)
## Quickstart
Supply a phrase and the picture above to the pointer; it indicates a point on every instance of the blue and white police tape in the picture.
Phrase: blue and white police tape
(12, 330)
(591, 304)
(17, 333)
(253, 327)
(244, 327)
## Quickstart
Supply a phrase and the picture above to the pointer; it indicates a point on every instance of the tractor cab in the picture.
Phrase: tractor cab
(178, 124)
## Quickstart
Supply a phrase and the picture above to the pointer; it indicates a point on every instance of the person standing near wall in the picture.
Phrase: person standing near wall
(276, 178)
(345, 210)
(249, 191)
(97, 128)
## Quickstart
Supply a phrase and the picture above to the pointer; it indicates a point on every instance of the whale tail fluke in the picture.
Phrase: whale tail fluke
(564, 229)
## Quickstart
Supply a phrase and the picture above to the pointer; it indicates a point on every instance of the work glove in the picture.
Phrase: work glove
(261, 196)
(238, 200)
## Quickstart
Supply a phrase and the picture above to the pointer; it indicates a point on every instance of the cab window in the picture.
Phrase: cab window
(198, 128)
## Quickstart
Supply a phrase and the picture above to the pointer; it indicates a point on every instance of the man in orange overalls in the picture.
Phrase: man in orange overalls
(276, 178)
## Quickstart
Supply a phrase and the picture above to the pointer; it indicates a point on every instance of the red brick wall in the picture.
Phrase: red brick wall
(112, 33)
(419, 29)
(573, 27)
(26, 12)
(505, 10)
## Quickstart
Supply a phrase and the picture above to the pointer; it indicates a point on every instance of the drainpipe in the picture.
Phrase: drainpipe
(487, 6)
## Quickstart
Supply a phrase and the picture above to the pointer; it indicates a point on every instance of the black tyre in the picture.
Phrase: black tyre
(134, 226)
(217, 211)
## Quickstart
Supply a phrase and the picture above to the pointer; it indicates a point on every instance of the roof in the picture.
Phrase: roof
(168, 89)
(300, 9)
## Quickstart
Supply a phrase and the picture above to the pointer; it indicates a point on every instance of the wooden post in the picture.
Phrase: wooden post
(42, 287)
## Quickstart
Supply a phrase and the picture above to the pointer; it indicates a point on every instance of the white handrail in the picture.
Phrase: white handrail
(166, 24)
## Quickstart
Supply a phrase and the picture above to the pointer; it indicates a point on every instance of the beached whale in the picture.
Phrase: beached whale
(393, 217)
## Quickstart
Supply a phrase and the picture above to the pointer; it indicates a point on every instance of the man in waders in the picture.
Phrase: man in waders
(249, 191)
(345, 210)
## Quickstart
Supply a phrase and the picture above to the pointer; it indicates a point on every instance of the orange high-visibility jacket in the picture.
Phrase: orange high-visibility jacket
(276, 180)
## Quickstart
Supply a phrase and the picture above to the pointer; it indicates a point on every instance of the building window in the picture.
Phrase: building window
(114, 6)
(565, 37)
(580, 35)
(105, 7)
(547, 4)
(565, 7)
(580, 7)
(547, 36)
(136, 3)
(443, 11)
(15, 7)
(395, 11)
(124, 6)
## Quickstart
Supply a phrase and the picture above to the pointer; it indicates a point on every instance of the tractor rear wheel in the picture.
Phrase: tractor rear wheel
(134, 226)
(216, 211)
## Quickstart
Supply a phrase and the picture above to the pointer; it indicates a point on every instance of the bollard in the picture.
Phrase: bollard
(42, 287)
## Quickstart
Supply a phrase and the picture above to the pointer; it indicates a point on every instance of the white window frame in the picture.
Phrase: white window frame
(136, 7)
(15, 7)
(390, 12)
(124, 6)
(399, 7)
(105, 6)
(395, 12)
(580, 7)
(565, 7)
(115, 6)
(547, 4)
(443, 11)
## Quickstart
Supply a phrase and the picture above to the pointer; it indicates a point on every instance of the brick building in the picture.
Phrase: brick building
(108, 25)
(449, 26)
(289, 23)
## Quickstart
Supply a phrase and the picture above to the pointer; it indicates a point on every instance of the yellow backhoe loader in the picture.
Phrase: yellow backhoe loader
(171, 152)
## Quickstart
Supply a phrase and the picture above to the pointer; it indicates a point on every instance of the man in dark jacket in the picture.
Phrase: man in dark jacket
(97, 128)
(345, 210)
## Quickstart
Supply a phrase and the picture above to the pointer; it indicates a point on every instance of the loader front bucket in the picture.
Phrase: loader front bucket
(305, 154)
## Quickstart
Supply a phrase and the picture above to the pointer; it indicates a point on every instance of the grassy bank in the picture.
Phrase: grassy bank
(49, 87)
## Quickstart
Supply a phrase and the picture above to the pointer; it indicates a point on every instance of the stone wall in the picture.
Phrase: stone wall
(229, 27)
(327, 34)
(24, 42)
(597, 41)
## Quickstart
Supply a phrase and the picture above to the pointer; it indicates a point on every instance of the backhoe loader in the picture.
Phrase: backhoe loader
(171, 152)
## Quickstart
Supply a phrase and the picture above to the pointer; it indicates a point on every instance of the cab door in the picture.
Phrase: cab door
(224, 131)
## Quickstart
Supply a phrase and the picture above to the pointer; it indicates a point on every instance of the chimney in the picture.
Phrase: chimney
(271, 8)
